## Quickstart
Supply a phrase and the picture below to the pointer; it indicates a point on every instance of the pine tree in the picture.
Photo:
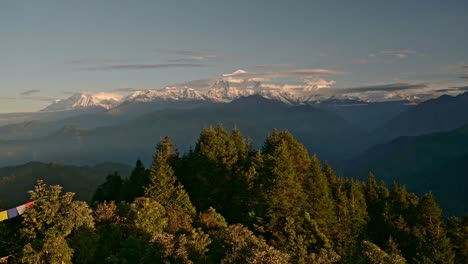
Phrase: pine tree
(282, 198)
(135, 185)
(457, 232)
(165, 189)
(320, 204)
(433, 244)
(297, 151)
(110, 190)
(214, 171)
(377, 207)
(49, 222)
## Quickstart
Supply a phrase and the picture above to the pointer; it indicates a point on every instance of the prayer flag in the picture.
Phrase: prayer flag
(21, 209)
(3, 215)
(12, 213)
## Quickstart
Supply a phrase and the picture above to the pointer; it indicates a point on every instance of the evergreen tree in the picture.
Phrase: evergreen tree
(433, 244)
(49, 222)
(165, 189)
(377, 208)
(366, 252)
(110, 190)
(282, 198)
(320, 204)
(457, 232)
(214, 171)
(135, 185)
(297, 151)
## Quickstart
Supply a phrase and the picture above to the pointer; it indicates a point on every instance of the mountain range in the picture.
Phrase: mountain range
(223, 90)
(436, 162)
(394, 139)
(322, 131)
(440, 114)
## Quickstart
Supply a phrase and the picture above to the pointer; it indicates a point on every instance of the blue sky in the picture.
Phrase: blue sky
(49, 49)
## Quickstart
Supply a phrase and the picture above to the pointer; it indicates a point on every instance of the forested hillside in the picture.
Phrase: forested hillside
(15, 181)
(435, 162)
(225, 202)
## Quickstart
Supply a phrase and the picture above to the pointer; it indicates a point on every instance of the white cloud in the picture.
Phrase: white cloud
(300, 73)
(401, 54)
(317, 84)
(191, 55)
(272, 66)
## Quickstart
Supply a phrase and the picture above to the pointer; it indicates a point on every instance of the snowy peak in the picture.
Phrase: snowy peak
(238, 72)
(168, 93)
(226, 88)
(85, 100)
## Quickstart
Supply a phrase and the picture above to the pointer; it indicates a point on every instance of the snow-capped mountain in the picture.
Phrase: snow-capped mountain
(85, 100)
(168, 93)
(225, 89)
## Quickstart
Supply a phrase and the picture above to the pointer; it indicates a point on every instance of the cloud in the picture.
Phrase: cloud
(452, 89)
(401, 54)
(392, 87)
(461, 88)
(185, 60)
(93, 61)
(29, 92)
(191, 55)
(304, 73)
(446, 90)
(372, 58)
(41, 98)
(143, 66)
(126, 89)
(387, 56)
(318, 84)
(273, 66)
(201, 83)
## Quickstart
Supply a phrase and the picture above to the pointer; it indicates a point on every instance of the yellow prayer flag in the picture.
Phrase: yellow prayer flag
(3, 215)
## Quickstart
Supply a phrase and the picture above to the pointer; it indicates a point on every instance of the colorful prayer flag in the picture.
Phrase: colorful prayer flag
(3, 215)
(21, 209)
(12, 213)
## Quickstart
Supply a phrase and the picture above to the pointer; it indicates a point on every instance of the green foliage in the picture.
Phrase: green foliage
(135, 185)
(148, 216)
(111, 190)
(275, 205)
(320, 204)
(165, 189)
(48, 223)
(242, 246)
(457, 232)
(215, 173)
(366, 252)
(182, 248)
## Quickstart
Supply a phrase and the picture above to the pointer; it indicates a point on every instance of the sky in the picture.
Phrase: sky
(51, 49)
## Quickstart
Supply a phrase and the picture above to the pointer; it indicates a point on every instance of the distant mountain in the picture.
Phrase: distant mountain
(85, 100)
(166, 94)
(18, 118)
(225, 89)
(368, 116)
(321, 131)
(16, 181)
(440, 114)
(435, 162)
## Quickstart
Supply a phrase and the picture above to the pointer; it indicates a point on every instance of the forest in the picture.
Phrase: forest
(224, 201)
